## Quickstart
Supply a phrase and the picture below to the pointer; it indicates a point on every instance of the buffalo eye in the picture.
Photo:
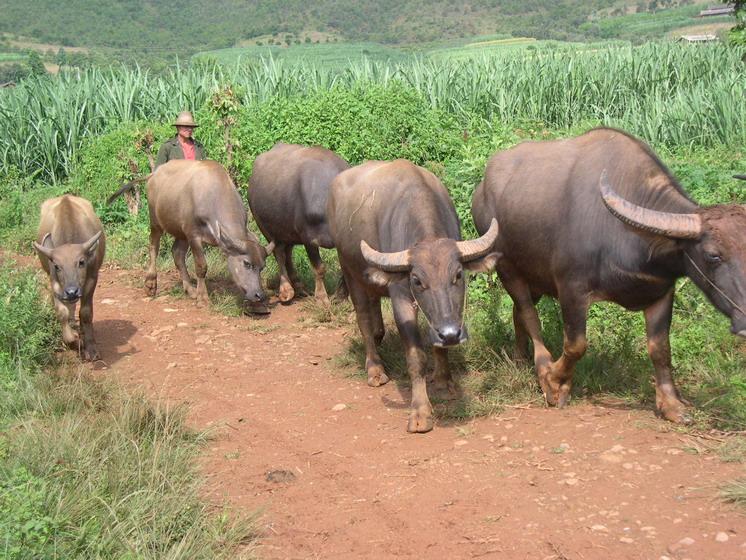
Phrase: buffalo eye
(248, 265)
(713, 258)
(459, 276)
(57, 267)
(416, 281)
(81, 263)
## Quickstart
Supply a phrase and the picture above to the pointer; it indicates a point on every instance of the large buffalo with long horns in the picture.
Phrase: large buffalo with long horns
(397, 234)
(600, 218)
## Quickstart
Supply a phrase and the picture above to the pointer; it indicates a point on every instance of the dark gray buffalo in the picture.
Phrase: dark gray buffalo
(196, 202)
(71, 246)
(600, 218)
(397, 234)
(288, 190)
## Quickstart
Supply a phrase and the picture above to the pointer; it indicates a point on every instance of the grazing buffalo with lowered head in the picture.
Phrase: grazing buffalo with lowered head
(600, 218)
(71, 246)
(397, 234)
(196, 202)
(288, 190)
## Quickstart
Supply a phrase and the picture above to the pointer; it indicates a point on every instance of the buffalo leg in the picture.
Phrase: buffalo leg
(287, 292)
(66, 315)
(341, 293)
(88, 350)
(443, 384)
(521, 336)
(658, 324)
(151, 276)
(376, 317)
(298, 286)
(373, 365)
(421, 411)
(179, 252)
(319, 269)
(558, 382)
(529, 318)
(200, 269)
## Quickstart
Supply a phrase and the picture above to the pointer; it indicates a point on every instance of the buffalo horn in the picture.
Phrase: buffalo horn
(388, 262)
(476, 248)
(92, 241)
(669, 224)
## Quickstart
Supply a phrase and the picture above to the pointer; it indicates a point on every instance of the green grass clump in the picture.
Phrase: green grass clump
(86, 469)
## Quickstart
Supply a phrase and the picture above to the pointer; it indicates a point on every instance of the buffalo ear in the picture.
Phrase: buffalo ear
(46, 246)
(380, 278)
(485, 264)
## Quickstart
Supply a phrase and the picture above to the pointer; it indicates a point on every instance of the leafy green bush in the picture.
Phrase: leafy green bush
(367, 121)
(108, 160)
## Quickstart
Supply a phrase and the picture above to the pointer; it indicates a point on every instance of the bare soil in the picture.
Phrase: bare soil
(328, 461)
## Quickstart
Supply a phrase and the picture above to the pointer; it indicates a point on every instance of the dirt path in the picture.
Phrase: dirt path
(583, 483)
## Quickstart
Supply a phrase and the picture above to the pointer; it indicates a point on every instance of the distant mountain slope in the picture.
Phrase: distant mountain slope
(187, 26)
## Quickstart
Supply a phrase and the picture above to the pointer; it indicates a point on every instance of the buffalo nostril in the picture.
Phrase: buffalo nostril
(72, 292)
(450, 335)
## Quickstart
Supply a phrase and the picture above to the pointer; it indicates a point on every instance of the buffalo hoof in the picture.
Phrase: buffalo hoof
(675, 412)
(376, 376)
(203, 301)
(419, 422)
(287, 293)
(322, 298)
(151, 285)
(90, 354)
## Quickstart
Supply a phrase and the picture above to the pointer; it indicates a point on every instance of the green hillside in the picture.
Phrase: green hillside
(180, 28)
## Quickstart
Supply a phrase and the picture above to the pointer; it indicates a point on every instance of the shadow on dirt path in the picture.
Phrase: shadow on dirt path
(330, 463)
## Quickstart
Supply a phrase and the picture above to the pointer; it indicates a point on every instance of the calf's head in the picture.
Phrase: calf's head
(246, 258)
(713, 246)
(68, 265)
(434, 271)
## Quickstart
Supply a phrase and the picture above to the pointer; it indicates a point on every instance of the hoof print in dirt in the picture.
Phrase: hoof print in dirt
(279, 476)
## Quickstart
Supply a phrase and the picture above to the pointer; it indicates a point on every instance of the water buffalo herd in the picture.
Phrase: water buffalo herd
(593, 218)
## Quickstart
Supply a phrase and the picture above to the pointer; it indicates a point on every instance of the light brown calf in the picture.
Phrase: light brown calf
(71, 246)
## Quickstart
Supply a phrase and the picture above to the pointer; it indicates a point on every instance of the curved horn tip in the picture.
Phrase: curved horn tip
(388, 262)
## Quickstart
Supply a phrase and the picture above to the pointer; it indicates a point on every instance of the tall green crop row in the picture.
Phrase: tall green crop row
(668, 94)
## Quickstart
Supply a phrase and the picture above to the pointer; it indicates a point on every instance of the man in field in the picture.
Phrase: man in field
(182, 145)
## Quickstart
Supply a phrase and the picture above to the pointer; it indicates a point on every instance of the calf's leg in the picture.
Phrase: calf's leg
(88, 350)
(373, 365)
(66, 315)
(151, 276)
(658, 325)
(421, 411)
(179, 252)
(319, 269)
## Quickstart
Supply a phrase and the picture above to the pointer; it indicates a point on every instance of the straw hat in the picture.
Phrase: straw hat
(185, 119)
